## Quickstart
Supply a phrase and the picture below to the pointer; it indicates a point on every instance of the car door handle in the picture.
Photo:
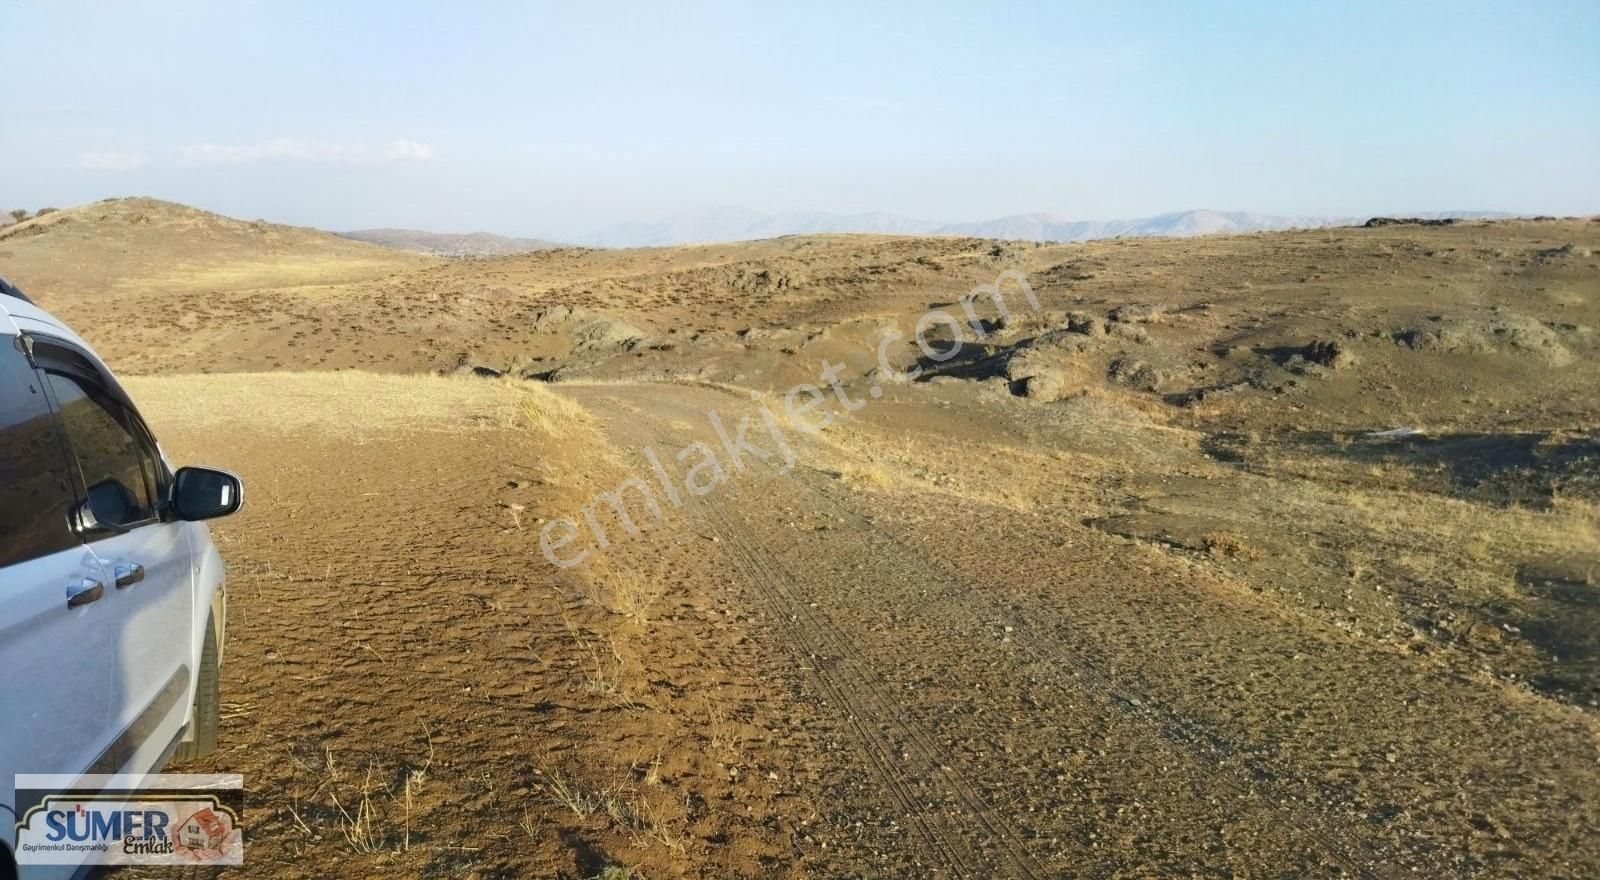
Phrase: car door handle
(83, 592)
(128, 574)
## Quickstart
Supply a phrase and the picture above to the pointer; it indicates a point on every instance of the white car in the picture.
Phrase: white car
(112, 605)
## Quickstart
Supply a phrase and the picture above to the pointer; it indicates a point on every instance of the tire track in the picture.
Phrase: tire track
(1242, 772)
(813, 637)
(862, 699)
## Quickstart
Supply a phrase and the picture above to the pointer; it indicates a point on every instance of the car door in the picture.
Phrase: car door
(144, 553)
(56, 621)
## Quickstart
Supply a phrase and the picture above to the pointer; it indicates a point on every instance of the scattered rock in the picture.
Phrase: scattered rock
(1041, 377)
(1567, 250)
(1377, 222)
(1003, 252)
(1130, 332)
(766, 280)
(1065, 341)
(1501, 332)
(1298, 365)
(1084, 323)
(1136, 313)
(1178, 531)
(1047, 386)
(1330, 353)
(588, 330)
(1134, 373)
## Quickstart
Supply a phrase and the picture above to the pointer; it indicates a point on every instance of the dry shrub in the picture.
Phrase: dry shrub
(1230, 545)
(866, 473)
(628, 810)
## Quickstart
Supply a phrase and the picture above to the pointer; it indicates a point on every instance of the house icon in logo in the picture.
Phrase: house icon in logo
(204, 830)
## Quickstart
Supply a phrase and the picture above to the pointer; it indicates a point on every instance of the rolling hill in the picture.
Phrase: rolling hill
(137, 245)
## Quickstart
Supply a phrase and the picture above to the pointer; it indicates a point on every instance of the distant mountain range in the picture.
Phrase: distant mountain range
(450, 244)
(740, 224)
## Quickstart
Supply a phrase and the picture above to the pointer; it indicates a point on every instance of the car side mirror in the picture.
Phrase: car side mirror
(203, 493)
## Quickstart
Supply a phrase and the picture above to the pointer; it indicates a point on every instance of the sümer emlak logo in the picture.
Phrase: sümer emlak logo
(96, 825)
(163, 819)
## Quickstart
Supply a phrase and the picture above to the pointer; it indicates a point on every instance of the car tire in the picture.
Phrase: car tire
(207, 702)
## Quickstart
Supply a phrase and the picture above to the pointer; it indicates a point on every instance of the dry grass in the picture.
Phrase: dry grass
(635, 815)
(364, 815)
(865, 473)
(553, 414)
(346, 403)
(359, 829)
(359, 825)
(603, 673)
(723, 738)
(623, 591)
(1484, 531)
(576, 799)
(315, 273)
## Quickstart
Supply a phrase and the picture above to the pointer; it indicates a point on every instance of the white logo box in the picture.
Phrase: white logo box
(129, 819)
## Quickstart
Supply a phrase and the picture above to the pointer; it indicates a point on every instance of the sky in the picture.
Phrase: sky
(555, 120)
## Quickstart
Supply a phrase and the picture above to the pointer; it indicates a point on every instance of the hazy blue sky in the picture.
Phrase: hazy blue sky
(552, 120)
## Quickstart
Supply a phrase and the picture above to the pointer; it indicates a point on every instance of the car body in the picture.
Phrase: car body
(112, 601)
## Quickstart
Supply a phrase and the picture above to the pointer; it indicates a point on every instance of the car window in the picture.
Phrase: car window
(36, 493)
(103, 437)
